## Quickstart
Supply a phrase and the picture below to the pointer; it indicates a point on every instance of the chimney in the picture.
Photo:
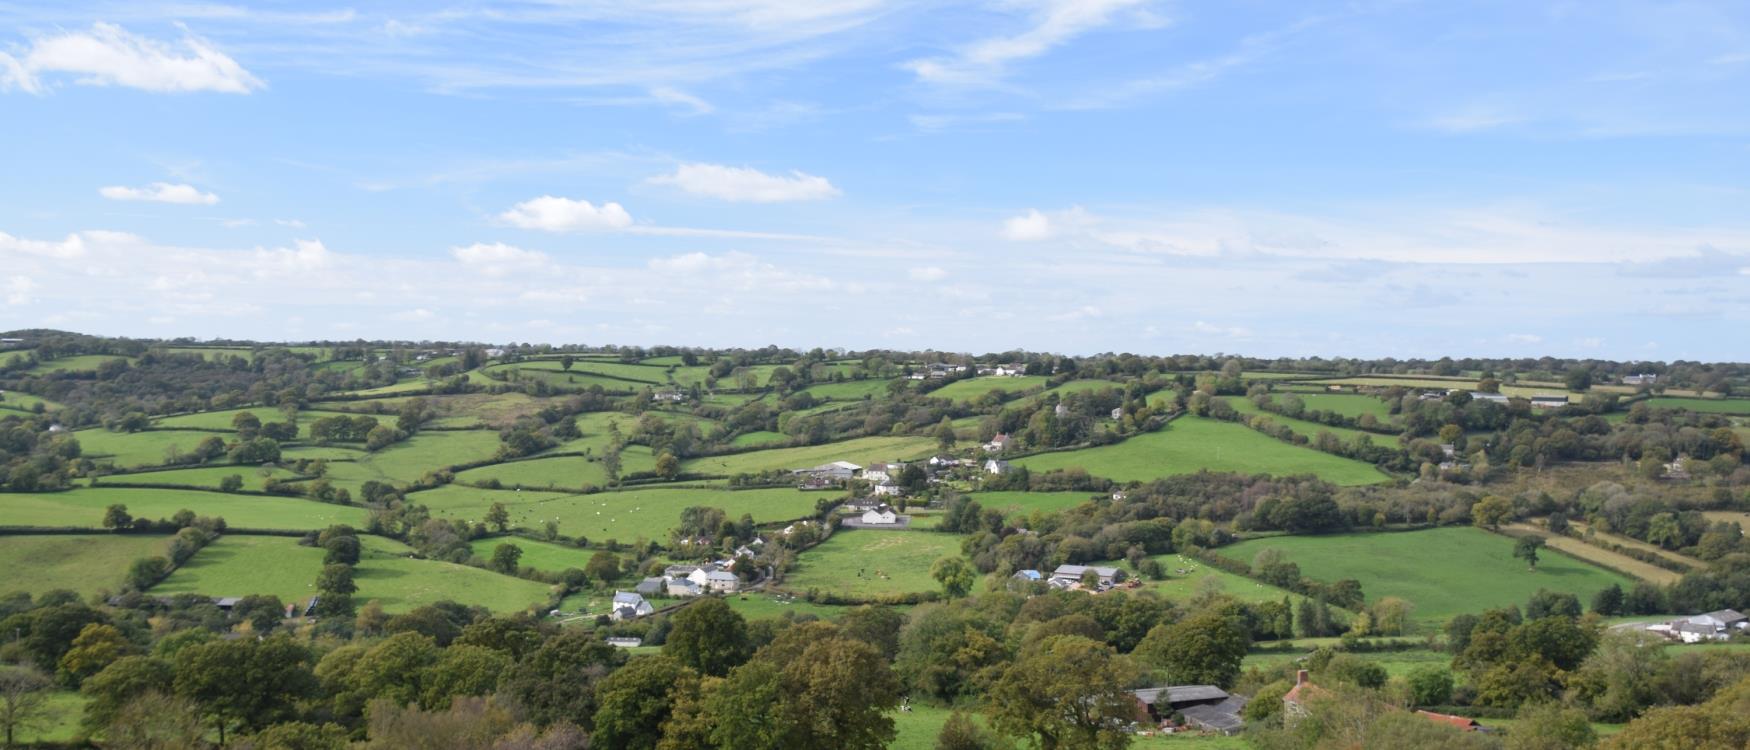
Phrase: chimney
(1300, 677)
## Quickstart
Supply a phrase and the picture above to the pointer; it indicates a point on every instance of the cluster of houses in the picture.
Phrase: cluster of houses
(1644, 378)
(1545, 401)
(1719, 625)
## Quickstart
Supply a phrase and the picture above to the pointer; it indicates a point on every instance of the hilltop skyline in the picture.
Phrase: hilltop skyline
(1078, 176)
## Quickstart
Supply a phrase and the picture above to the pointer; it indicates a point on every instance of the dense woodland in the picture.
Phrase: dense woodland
(1014, 664)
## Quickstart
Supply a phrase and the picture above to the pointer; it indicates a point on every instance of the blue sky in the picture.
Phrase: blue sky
(1390, 178)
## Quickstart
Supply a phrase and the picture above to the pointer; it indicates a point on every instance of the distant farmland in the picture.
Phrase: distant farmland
(1192, 444)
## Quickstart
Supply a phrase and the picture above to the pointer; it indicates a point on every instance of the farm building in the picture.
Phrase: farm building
(837, 471)
(1499, 398)
(1070, 575)
(1718, 625)
(998, 444)
(1294, 701)
(1463, 723)
(1028, 575)
(1205, 707)
(996, 466)
(881, 514)
(1548, 402)
(888, 489)
(712, 579)
(1645, 378)
(672, 397)
(651, 586)
(629, 605)
(684, 587)
(881, 472)
(623, 642)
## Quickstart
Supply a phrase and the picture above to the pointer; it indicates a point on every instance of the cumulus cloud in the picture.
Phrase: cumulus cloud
(1032, 226)
(498, 259)
(928, 273)
(18, 290)
(160, 192)
(556, 214)
(72, 247)
(747, 185)
(305, 256)
(108, 55)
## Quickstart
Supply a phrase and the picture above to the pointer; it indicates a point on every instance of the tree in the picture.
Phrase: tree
(146, 571)
(945, 435)
(24, 702)
(336, 578)
(955, 575)
(262, 612)
(1578, 379)
(155, 721)
(1430, 685)
(566, 362)
(808, 690)
(1491, 511)
(1549, 726)
(709, 637)
(380, 437)
(962, 733)
(1065, 692)
(245, 683)
(231, 483)
(635, 702)
(261, 450)
(463, 670)
(667, 466)
(116, 517)
(96, 647)
(505, 558)
(1526, 549)
(1608, 601)
(125, 679)
(1203, 649)
(498, 518)
(604, 567)
(246, 424)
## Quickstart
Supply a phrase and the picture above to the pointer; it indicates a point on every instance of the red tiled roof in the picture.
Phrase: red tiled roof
(1462, 722)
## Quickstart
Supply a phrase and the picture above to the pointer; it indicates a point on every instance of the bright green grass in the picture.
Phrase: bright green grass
(574, 379)
(410, 459)
(1075, 386)
(387, 575)
(872, 563)
(967, 390)
(690, 375)
(760, 606)
(1200, 577)
(624, 516)
(254, 477)
(126, 450)
(221, 420)
(84, 508)
(759, 437)
(1395, 663)
(1023, 503)
(1308, 428)
(1444, 572)
(243, 565)
(289, 453)
(65, 708)
(1348, 405)
(79, 363)
(642, 373)
(561, 472)
(917, 730)
(546, 556)
(1711, 406)
(1521, 390)
(212, 353)
(85, 563)
(1190, 444)
(850, 390)
(21, 401)
(861, 451)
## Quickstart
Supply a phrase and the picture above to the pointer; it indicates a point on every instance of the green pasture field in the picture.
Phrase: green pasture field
(1348, 405)
(621, 370)
(213, 352)
(1707, 405)
(561, 472)
(1522, 390)
(235, 565)
(84, 508)
(759, 437)
(254, 477)
(77, 363)
(862, 562)
(1024, 503)
(917, 730)
(760, 606)
(625, 516)
(690, 375)
(850, 390)
(967, 390)
(1443, 572)
(492, 408)
(1198, 577)
(1396, 663)
(1305, 427)
(861, 451)
(410, 459)
(83, 563)
(399, 583)
(337, 452)
(65, 709)
(547, 556)
(21, 401)
(1191, 444)
(221, 420)
(127, 450)
(576, 378)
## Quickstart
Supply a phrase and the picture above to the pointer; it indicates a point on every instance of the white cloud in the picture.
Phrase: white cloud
(72, 247)
(744, 184)
(498, 259)
(306, 256)
(18, 290)
(1238, 332)
(293, 223)
(742, 272)
(418, 313)
(671, 95)
(1472, 119)
(564, 214)
(109, 55)
(1524, 338)
(160, 192)
(1054, 22)
(1032, 226)
(1081, 313)
(928, 273)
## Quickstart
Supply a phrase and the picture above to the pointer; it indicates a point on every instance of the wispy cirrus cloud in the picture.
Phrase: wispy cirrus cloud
(160, 192)
(109, 55)
(745, 184)
(1051, 23)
